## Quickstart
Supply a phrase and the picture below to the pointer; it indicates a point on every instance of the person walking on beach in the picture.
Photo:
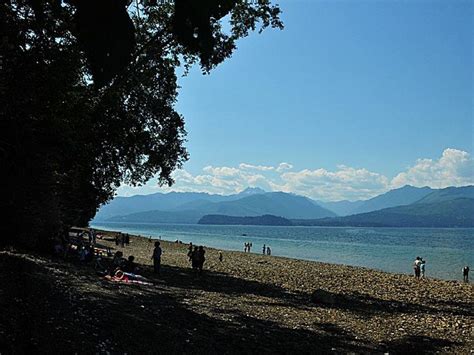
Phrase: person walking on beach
(157, 258)
(422, 268)
(465, 273)
(220, 256)
(269, 251)
(264, 249)
(250, 246)
(416, 267)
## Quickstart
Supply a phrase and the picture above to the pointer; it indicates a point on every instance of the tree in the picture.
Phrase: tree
(88, 95)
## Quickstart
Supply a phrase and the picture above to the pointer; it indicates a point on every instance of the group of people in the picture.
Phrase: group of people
(79, 246)
(126, 265)
(247, 247)
(419, 267)
(197, 257)
(123, 270)
(266, 250)
(122, 239)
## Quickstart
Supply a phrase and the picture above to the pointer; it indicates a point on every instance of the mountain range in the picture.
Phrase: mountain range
(406, 206)
(458, 212)
(184, 207)
(397, 197)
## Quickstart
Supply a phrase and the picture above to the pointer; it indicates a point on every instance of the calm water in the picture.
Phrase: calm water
(446, 251)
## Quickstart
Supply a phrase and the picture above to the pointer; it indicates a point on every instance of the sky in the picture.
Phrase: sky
(353, 98)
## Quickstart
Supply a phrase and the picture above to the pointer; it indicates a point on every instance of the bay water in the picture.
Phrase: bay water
(446, 250)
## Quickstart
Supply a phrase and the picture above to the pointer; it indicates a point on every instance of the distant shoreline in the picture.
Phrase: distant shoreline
(276, 226)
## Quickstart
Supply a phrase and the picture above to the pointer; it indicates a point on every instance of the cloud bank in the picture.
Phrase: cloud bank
(454, 168)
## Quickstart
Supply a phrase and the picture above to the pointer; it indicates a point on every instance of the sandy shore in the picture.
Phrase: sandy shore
(255, 303)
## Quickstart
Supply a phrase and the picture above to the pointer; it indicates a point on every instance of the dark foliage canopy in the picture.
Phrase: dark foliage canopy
(88, 90)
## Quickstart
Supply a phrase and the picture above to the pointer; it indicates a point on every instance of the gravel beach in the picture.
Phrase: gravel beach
(248, 303)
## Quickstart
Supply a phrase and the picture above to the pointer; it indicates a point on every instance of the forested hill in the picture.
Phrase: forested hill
(265, 220)
(451, 213)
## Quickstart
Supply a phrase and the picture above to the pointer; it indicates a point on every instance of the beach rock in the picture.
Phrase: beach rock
(320, 296)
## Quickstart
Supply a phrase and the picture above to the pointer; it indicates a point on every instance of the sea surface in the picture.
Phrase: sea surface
(446, 250)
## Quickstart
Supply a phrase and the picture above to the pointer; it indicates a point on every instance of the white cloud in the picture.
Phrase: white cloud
(344, 183)
(284, 166)
(453, 168)
(245, 166)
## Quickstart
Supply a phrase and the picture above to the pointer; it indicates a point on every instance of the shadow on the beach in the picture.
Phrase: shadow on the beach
(156, 319)
(363, 304)
(418, 344)
(224, 283)
(42, 315)
(366, 305)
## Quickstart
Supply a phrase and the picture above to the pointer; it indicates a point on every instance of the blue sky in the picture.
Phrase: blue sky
(347, 89)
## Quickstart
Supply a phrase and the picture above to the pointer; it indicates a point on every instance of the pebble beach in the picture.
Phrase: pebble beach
(256, 303)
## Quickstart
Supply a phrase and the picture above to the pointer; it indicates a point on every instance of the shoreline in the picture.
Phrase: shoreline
(248, 303)
(257, 249)
(294, 226)
(363, 293)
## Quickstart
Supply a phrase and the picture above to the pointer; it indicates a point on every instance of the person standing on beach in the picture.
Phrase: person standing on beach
(422, 268)
(465, 273)
(416, 267)
(202, 258)
(220, 256)
(195, 261)
(157, 258)
(269, 251)
(190, 251)
(264, 249)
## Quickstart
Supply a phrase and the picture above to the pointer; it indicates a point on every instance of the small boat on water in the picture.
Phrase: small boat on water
(244, 235)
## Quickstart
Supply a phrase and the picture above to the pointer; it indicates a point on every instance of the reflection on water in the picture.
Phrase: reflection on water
(445, 250)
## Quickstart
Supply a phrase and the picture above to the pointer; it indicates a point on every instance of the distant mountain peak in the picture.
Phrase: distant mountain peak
(252, 191)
